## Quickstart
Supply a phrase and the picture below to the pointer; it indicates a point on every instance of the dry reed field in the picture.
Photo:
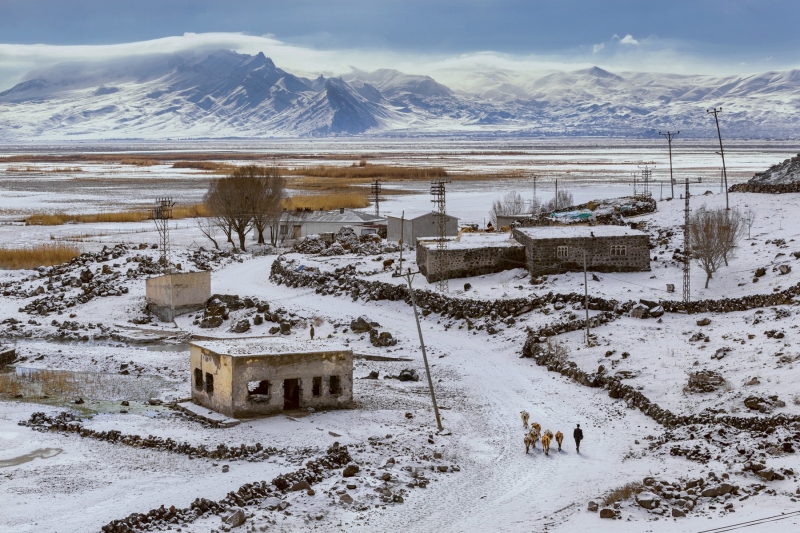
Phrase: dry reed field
(35, 256)
(57, 219)
(61, 385)
(327, 202)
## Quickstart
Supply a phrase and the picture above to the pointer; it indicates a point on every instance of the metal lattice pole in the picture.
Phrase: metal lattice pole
(440, 211)
(162, 214)
(376, 195)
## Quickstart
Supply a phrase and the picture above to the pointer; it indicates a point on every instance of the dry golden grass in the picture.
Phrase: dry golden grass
(327, 202)
(138, 161)
(205, 165)
(622, 493)
(35, 256)
(139, 215)
(41, 169)
(366, 172)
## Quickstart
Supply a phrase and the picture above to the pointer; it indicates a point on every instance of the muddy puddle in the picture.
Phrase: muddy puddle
(41, 453)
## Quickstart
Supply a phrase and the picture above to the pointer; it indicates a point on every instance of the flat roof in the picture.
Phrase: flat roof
(269, 346)
(577, 231)
(413, 215)
(473, 240)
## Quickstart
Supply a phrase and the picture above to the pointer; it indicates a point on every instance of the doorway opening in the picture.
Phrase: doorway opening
(291, 394)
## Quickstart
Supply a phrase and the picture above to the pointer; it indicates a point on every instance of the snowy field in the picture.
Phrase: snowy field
(477, 474)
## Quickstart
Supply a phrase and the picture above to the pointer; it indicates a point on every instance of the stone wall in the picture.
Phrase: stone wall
(542, 258)
(465, 262)
(766, 188)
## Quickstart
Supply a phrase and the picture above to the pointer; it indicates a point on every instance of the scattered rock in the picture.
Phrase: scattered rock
(677, 513)
(607, 513)
(704, 321)
(593, 506)
(648, 500)
(241, 326)
(350, 470)
(300, 485)
(408, 374)
(235, 519)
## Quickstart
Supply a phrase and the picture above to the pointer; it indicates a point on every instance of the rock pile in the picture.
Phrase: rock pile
(344, 241)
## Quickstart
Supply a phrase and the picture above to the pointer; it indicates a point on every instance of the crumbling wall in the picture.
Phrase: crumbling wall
(174, 294)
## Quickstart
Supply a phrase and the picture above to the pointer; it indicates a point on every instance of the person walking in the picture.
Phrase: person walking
(312, 332)
(578, 435)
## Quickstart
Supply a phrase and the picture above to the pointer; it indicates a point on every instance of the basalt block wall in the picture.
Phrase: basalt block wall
(467, 262)
(542, 254)
(232, 375)
(174, 294)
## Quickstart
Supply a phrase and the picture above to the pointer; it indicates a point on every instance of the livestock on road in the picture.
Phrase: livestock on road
(525, 417)
(559, 439)
(546, 442)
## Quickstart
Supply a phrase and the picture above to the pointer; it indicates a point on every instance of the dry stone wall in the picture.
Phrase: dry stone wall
(468, 262)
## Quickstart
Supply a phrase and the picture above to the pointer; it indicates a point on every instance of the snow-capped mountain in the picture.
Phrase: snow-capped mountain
(225, 94)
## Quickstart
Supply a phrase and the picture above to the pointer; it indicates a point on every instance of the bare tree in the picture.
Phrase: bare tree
(234, 200)
(749, 219)
(559, 201)
(269, 209)
(731, 230)
(511, 204)
(208, 227)
(708, 240)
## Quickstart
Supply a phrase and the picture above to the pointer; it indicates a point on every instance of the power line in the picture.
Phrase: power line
(714, 111)
(749, 523)
(669, 136)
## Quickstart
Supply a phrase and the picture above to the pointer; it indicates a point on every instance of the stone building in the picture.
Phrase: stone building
(416, 225)
(558, 249)
(473, 254)
(253, 377)
(174, 294)
(298, 224)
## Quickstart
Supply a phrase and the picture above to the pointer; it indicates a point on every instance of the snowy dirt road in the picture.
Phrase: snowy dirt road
(485, 384)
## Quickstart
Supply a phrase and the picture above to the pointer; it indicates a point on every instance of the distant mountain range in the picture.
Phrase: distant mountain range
(225, 94)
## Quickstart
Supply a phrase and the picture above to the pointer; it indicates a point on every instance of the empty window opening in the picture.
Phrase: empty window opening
(291, 394)
(336, 386)
(209, 383)
(198, 379)
(258, 391)
(316, 386)
(618, 249)
(561, 252)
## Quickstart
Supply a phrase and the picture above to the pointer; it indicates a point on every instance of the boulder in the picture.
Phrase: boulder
(408, 374)
(285, 328)
(648, 500)
(300, 485)
(271, 503)
(677, 513)
(640, 311)
(258, 320)
(704, 322)
(607, 513)
(350, 470)
(718, 490)
(346, 498)
(241, 326)
(593, 506)
(360, 325)
(234, 518)
(211, 322)
(381, 340)
(657, 311)
(784, 269)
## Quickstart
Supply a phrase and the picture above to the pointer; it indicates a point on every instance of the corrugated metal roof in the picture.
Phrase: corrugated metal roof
(348, 217)
(413, 215)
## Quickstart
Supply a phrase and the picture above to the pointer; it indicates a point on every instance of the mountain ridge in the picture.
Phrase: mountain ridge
(222, 93)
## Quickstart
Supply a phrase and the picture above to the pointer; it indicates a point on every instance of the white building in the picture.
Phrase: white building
(416, 224)
(299, 224)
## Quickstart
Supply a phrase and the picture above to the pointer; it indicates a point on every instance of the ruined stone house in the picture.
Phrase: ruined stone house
(177, 293)
(253, 377)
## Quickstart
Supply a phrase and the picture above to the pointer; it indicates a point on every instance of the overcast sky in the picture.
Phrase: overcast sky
(427, 36)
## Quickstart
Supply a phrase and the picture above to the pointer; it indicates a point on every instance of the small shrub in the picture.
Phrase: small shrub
(622, 493)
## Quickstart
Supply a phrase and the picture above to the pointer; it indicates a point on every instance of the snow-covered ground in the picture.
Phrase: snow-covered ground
(60, 482)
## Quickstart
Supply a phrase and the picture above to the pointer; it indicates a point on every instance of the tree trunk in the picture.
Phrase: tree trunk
(261, 235)
(242, 236)
(707, 280)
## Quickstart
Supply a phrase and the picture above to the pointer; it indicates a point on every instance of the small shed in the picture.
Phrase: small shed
(298, 224)
(253, 377)
(471, 254)
(177, 293)
(558, 249)
(417, 225)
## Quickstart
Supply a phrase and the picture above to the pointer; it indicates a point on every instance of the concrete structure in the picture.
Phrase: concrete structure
(298, 224)
(252, 377)
(174, 294)
(507, 220)
(558, 249)
(418, 225)
(473, 254)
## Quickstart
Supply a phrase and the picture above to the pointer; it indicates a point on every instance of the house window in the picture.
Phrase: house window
(618, 249)
(561, 252)
(209, 383)
(284, 229)
(258, 391)
(316, 386)
(336, 386)
(198, 379)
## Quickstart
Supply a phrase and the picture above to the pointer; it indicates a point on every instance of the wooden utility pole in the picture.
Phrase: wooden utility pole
(670, 136)
(409, 276)
(714, 111)
(586, 297)
(402, 241)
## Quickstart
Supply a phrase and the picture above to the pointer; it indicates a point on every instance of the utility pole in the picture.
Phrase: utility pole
(686, 249)
(402, 242)
(586, 297)
(162, 214)
(669, 135)
(714, 111)
(440, 212)
(556, 198)
(646, 173)
(533, 202)
(409, 276)
(376, 195)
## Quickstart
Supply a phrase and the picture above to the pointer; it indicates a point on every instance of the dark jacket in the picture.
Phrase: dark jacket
(578, 434)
